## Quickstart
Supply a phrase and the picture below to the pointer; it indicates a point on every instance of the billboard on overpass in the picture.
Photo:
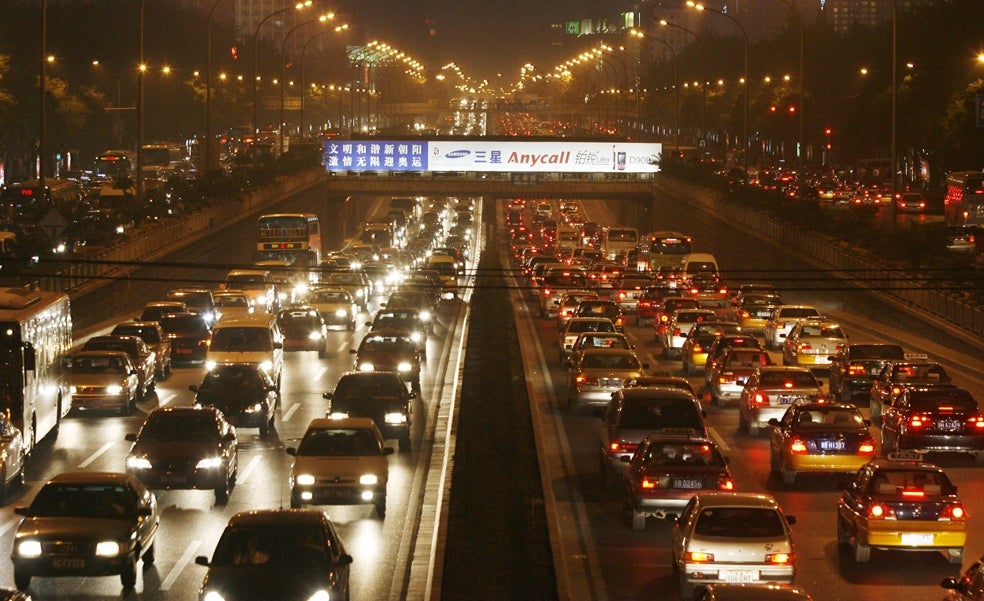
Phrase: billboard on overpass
(501, 156)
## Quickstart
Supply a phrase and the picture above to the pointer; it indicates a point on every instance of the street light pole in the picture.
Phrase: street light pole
(43, 76)
(744, 35)
(283, 71)
(141, 68)
(256, 43)
(893, 152)
(703, 72)
(676, 84)
(303, 52)
(802, 81)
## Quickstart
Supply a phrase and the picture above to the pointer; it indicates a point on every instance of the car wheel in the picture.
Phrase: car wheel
(148, 555)
(638, 521)
(415, 386)
(843, 533)
(265, 426)
(22, 579)
(351, 326)
(128, 573)
(222, 493)
(686, 588)
(862, 552)
(955, 555)
(788, 477)
(381, 508)
(404, 443)
(323, 351)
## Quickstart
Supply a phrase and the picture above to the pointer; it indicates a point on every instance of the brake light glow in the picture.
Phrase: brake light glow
(779, 558)
(976, 421)
(804, 346)
(855, 370)
(698, 557)
(760, 399)
(896, 390)
(880, 511)
(920, 421)
(953, 512)
(649, 484)
(914, 494)
(726, 484)
(867, 447)
(796, 445)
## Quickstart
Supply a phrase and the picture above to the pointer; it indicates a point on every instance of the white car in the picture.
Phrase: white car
(732, 537)
(340, 462)
(782, 320)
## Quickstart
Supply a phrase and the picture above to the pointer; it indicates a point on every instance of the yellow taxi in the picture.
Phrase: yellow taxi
(819, 437)
(904, 504)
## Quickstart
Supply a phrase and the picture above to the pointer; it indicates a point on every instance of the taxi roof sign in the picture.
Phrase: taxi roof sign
(905, 456)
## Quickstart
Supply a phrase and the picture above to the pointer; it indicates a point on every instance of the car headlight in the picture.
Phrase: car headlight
(367, 367)
(425, 316)
(254, 408)
(404, 366)
(108, 548)
(360, 293)
(415, 337)
(209, 463)
(74, 389)
(314, 336)
(318, 595)
(266, 365)
(304, 479)
(395, 418)
(138, 463)
(209, 365)
(213, 596)
(114, 389)
(341, 313)
(338, 415)
(29, 548)
(368, 479)
(300, 289)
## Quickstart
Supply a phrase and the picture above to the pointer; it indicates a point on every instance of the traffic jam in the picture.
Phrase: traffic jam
(385, 289)
(650, 339)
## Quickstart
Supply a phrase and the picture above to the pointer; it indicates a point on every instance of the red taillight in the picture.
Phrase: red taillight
(619, 321)
(696, 348)
(976, 422)
(880, 511)
(745, 314)
(698, 557)
(726, 484)
(664, 318)
(953, 511)
(797, 446)
(913, 494)
(676, 331)
(920, 421)
(644, 304)
(547, 291)
(867, 447)
(896, 390)
(648, 484)
(855, 370)
(779, 558)
(760, 399)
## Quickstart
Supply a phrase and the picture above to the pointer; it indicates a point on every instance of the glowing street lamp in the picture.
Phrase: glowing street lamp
(256, 43)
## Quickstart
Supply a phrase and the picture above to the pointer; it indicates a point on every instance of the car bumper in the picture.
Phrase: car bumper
(712, 573)
(182, 478)
(337, 495)
(942, 443)
(70, 565)
(912, 534)
(728, 392)
(99, 401)
(595, 397)
(827, 463)
(760, 416)
(821, 361)
(304, 345)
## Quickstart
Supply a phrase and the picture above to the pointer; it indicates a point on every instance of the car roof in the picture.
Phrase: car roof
(278, 516)
(661, 391)
(348, 423)
(736, 499)
(87, 477)
(607, 351)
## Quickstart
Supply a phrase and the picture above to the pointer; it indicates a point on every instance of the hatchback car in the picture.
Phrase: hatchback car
(340, 462)
(633, 413)
(185, 448)
(819, 438)
(730, 537)
(244, 393)
(111, 518)
(284, 554)
(769, 392)
(381, 395)
(901, 503)
(667, 470)
(782, 320)
(232, 302)
(811, 343)
(597, 374)
(303, 329)
(104, 380)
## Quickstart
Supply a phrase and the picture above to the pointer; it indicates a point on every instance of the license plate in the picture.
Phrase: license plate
(874, 371)
(687, 483)
(339, 492)
(916, 539)
(183, 351)
(611, 382)
(949, 425)
(763, 314)
(68, 562)
(173, 479)
(739, 575)
(832, 445)
(787, 399)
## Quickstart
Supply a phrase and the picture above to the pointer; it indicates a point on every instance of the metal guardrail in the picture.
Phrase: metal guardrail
(909, 291)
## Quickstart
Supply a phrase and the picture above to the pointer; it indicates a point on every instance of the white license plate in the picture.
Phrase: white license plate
(739, 575)
(687, 483)
(915, 539)
(68, 562)
(787, 399)
(832, 445)
(949, 425)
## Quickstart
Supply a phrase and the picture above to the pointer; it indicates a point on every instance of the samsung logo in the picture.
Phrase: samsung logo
(457, 154)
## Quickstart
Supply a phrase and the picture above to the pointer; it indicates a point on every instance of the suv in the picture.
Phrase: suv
(635, 412)
(853, 370)
(381, 395)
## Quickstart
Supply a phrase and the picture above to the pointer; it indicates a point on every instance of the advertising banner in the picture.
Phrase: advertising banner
(491, 156)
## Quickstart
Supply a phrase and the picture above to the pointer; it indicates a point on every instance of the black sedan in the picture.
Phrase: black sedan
(245, 393)
(284, 554)
(185, 448)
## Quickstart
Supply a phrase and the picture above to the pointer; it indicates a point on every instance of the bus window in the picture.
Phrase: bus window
(667, 249)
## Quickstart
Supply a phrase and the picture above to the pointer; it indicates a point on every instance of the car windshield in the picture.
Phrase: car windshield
(231, 378)
(231, 302)
(164, 427)
(922, 373)
(592, 325)
(944, 401)
(739, 522)
(682, 453)
(657, 413)
(345, 279)
(283, 545)
(793, 312)
(394, 318)
(809, 331)
(184, 325)
(247, 282)
(606, 361)
(339, 442)
(753, 359)
(240, 340)
(147, 334)
(385, 344)
(331, 297)
(367, 386)
(90, 365)
(84, 501)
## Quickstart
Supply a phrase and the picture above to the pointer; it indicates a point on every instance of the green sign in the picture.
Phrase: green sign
(573, 28)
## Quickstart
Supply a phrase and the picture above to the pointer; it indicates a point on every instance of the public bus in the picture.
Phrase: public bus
(667, 249)
(963, 203)
(35, 348)
(114, 164)
(617, 240)
(292, 238)
(26, 202)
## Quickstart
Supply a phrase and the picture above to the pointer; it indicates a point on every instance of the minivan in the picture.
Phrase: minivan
(698, 264)
(252, 339)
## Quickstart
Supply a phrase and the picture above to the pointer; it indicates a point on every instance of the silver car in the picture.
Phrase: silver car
(781, 321)
(598, 373)
(769, 391)
(811, 342)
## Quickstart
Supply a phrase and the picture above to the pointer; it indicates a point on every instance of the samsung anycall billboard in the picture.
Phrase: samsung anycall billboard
(512, 156)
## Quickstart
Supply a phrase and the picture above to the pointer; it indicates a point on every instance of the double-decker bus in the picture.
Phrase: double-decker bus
(35, 374)
(667, 249)
(963, 203)
(294, 240)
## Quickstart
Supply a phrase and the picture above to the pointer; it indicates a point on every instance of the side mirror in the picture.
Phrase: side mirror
(130, 437)
(193, 388)
(201, 560)
(774, 422)
(291, 451)
(344, 559)
(326, 395)
(791, 520)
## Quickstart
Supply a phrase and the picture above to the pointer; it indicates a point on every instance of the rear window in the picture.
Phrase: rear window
(747, 360)
(241, 339)
(682, 453)
(595, 361)
(910, 483)
(656, 413)
(876, 351)
(184, 324)
(789, 380)
(799, 312)
(743, 522)
(569, 280)
(955, 400)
